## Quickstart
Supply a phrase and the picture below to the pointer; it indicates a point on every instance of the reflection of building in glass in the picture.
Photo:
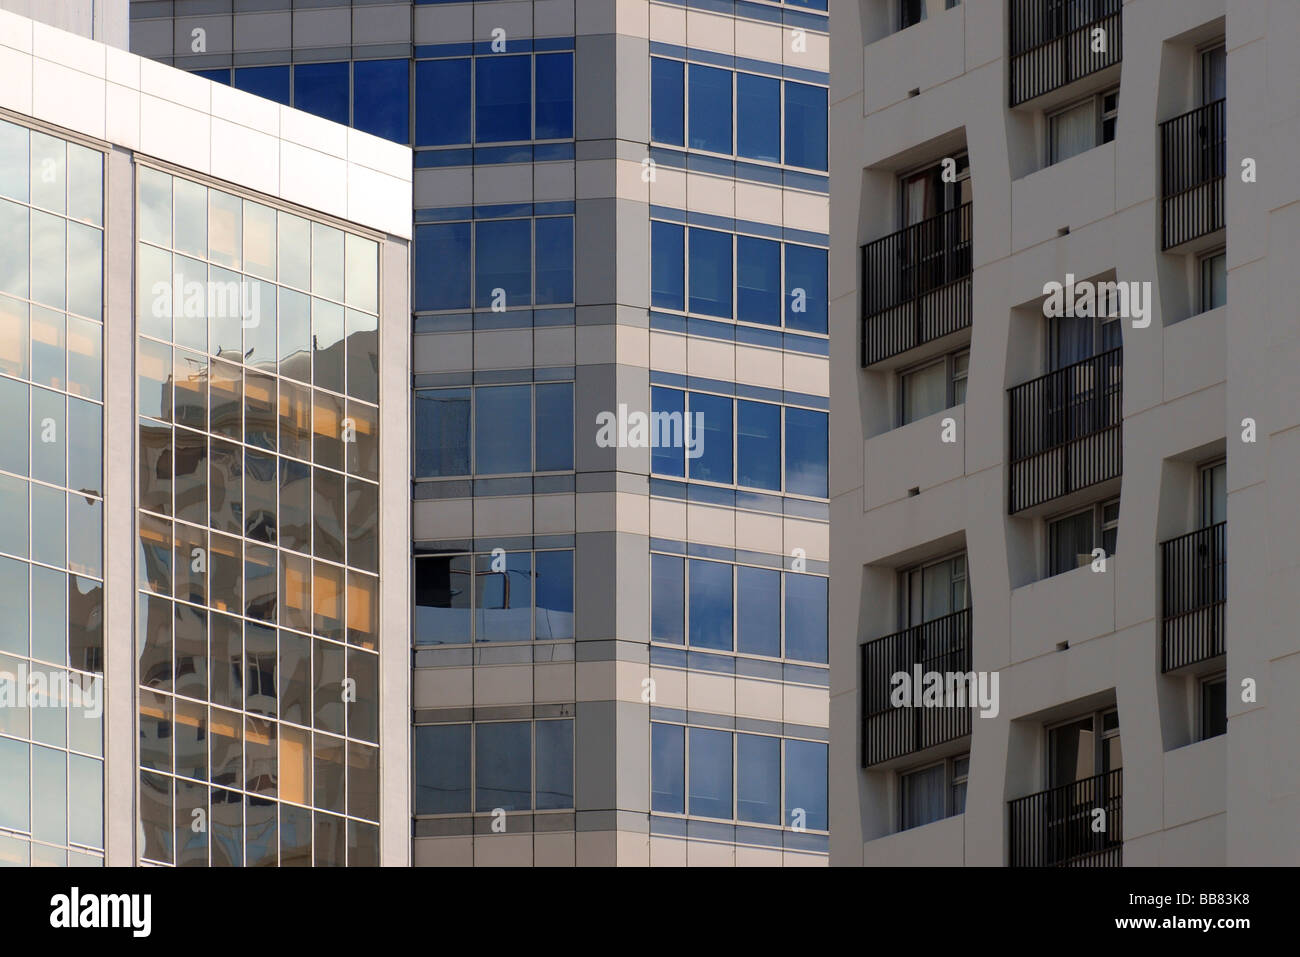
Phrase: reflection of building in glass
(190, 360)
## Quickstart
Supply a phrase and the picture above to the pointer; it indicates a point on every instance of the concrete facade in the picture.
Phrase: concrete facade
(1084, 641)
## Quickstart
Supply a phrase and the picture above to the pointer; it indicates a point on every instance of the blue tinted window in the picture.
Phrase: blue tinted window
(554, 260)
(813, 4)
(554, 764)
(758, 611)
(711, 276)
(554, 595)
(710, 775)
(555, 427)
(668, 459)
(758, 778)
(442, 769)
(710, 100)
(758, 445)
(805, 288)
(503, 760)
(710, 604)
(667, 101)
(503, 109)
(554, 96)
(442, 432)
(805, 617)
(805, 782)
(805, 125)
(667, 266)
(667, 598)
(381, 98)
(216, 76)
(441, 268)
(322, 88)
(503, 261)
(758, 117)
(758, 280)
(442, 598)
(805, 452)
(667, 768)
(441, 102)
(271, 82)
(502, 429)
(503, 597)
(714, 461)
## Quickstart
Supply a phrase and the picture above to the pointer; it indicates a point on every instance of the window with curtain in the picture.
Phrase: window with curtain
(1073, 131)
(924, 797)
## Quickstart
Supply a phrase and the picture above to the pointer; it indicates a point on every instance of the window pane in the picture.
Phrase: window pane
(85, 184)
(667, 598)
(925, 392)
(503, 599)
(554, 764)
(442, 599)
(758, 778)
(554, 96)
(923, 796)
(555, 427)
(1071, 542)
(710, 777)
(503, 765)
(805, 125)
(758, 280)
(502, 430)
(667, 768)
(442, 771)
(668, 421)
(442, 102)
(667, 265)
(554, 595)
(805, 617)
(758, 117)
(758, 445)
(667, 101)
(442, 432)
(503, 99)
(710, 103)
(758, 611)
(271, 82)
(714, 461)
(805, 782)
(441, 273)
(503, 263)
(381, 98)
(14, 251)
(14, 170)
(805, 452)
(554, 260)
(1073, 132)
(322, 88)
(710, 605)
(85, 278)
(805, 288)
(711, 275)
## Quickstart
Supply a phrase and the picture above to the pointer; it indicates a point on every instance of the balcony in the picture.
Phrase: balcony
(1065, 430)
(916, 285)
(1194, 571)
(1054, 828)
(1053, 43)
(1192, 166)
(889, 732)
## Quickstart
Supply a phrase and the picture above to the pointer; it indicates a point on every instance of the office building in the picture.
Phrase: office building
(620, 209)
(1064, 260)
(204, 348)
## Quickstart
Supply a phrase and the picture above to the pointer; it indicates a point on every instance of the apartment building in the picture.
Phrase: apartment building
(1070, 393)
(620, 211)
(204, 505)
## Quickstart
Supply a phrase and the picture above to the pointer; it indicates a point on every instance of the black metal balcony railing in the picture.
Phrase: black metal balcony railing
(1055, 828)
(916, 284)
(1192, 167)
(1065, 430)
(1195, 590)
(941, 645)
(1055, 42)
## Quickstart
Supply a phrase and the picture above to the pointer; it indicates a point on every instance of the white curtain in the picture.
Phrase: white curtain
(1073, 132)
